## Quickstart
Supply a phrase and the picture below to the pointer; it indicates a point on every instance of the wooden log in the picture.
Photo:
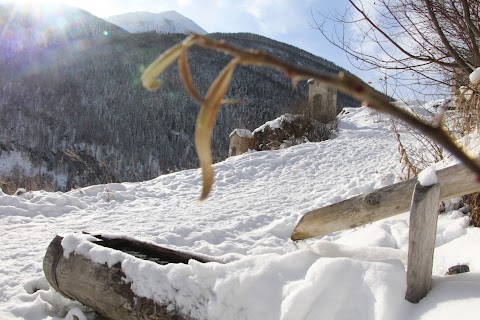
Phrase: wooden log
(421, 242)
(101, 287)
(454, 181)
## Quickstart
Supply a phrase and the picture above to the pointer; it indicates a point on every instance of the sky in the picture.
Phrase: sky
(289, 21)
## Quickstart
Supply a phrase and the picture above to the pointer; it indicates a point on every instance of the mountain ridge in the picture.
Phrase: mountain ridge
(163, 22)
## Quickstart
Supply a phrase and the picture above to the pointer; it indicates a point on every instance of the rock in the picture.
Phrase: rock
(289, 130)
(461, 268)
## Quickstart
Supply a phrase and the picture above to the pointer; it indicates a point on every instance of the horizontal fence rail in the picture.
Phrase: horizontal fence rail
(382, 203)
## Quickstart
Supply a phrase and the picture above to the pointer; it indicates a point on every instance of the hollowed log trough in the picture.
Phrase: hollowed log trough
(102, 287)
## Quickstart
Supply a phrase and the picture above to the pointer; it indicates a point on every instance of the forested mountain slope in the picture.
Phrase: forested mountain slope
(74, 112)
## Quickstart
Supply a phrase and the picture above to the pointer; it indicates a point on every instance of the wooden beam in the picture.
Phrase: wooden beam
(421, 241)
(454, 181)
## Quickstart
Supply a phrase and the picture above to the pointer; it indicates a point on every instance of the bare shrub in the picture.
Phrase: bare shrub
(18, 178)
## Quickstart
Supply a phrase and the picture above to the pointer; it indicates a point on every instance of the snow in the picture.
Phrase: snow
(475, 75)
(467, 93)
(245, 225)
(277, 123)
(244, 133)
(162, 22)
(427, 177)
(77, 313)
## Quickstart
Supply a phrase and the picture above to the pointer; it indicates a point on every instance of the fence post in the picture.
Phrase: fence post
(421, 243)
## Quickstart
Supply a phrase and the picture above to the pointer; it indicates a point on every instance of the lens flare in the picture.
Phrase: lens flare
(42, 2)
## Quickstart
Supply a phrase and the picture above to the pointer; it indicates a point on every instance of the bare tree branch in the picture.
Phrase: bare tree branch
(435, 38)
(471, 29)
(468, 20)
(454, 53)
(393, 42)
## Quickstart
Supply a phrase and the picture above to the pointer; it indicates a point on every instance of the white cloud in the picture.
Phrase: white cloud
(278, 16)
(184, 3)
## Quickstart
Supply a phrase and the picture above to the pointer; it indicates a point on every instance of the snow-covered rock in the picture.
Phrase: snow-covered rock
(244, 133)
(289, 130)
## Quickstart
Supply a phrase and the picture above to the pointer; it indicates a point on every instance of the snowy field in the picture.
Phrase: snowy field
(257, 198)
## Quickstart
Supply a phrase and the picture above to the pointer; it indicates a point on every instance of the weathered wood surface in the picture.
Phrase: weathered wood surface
(101, 287)
(421, 241)
(453, 181)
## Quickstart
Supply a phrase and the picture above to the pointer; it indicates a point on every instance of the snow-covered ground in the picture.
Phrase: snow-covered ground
(256, 201)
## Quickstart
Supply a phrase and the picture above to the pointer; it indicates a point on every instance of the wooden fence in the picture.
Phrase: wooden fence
(452, 182)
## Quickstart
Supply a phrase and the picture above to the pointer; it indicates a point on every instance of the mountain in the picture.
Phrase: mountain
(27, 25)
(163, 22)
(73, 111)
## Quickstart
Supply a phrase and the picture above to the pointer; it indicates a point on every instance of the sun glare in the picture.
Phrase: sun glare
(43, 5)
(42, 2)
(95, 7)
